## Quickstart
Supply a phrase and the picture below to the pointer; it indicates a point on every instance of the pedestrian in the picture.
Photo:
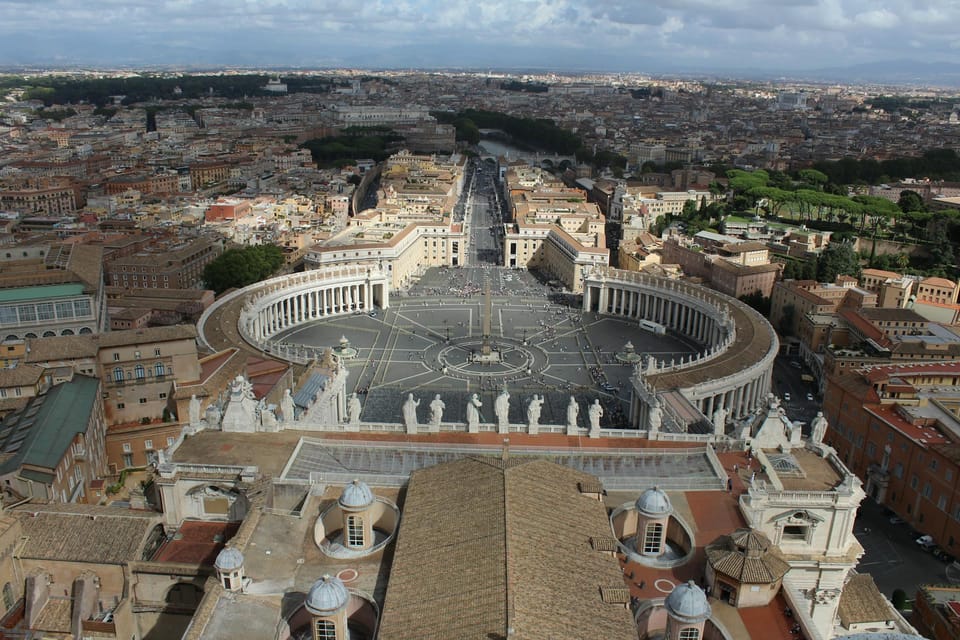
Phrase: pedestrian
(729, 484)
(736, 467)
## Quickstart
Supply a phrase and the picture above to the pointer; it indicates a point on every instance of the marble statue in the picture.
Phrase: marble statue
(572, 410)
(436, 411)
(818, 428)
(501, 407)
(719, 420)
(410, 413)
(533, 412)
(655, 419)
(473, 414)
(353, 409)
(194, 411)
(287, 407)
(595, 412)
(268, 419)
(242, 412)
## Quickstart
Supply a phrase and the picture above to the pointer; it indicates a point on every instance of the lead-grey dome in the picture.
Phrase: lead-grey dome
(327, 596)
(688, 603)
(654, 503)
(356, 495)
(229, 559)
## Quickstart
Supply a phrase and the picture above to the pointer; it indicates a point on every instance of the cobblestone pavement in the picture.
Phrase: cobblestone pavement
(437, 324)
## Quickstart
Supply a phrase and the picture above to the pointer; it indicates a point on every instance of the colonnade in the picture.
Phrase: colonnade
(284, 309)
(693, 321)
(737, 386)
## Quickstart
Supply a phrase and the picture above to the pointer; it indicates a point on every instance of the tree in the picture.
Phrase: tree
(242, 267)
(910, 201)
(758, 301)
(838, 258)
(899, 599)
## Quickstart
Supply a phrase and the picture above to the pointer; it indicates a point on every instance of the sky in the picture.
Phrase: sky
(598, 35)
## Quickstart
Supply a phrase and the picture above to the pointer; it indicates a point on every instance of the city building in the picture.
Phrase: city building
(55, 444)
(60, 293)
(175, 264)
(895, 426)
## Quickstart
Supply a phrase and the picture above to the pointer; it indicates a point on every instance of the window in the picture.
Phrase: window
(139, 372)
(898, 470)
(871, 449)
(136, 354)
(143, 401)
(156, 352)
(116, 357)
(690, 633)
(325, 630)
(118, 375)
(127, 448)
(914, 481)
(354, 531)
(795, 532)
(653, 538)
(148, 445)
(942, 503)
(926, 490)
(933, 465)
(170, 441)
(128, 460)
(158, 370)
(163, 396)
(120, 405)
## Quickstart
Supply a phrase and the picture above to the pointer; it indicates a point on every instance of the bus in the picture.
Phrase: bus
(653, 327)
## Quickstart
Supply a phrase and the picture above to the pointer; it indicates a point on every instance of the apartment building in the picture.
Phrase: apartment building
(896, 427)
(50, 196)
(730, 266)
(173, 264)
(55, 446)
(791, 300)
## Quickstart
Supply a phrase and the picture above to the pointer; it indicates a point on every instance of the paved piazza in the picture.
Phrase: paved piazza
(425, 342)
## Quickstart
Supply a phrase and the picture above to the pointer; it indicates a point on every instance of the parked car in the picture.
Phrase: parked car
(786, 396)
(896, 520)
(926, 542)
(810, 397)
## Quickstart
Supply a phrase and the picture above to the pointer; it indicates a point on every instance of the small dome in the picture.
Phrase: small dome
(688, 603)
(654, 503)
(229, 559)
(356, 495)
(327, 596)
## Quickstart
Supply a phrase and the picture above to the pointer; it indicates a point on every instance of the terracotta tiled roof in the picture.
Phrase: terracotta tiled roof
(106, 535)
(747, 556)
(862, 602)
(485, 545)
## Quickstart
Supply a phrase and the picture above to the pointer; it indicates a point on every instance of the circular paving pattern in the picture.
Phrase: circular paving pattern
(429, 341)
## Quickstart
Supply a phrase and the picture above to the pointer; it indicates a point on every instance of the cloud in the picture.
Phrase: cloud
(727, 33)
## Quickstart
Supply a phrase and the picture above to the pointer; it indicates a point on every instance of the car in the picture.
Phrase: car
(795, 364)
(372, 314)
(810, 397)
(786, 396)
(926, 542)
(896, 520)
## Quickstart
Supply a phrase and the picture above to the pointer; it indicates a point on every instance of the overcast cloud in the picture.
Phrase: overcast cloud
(638, 35)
